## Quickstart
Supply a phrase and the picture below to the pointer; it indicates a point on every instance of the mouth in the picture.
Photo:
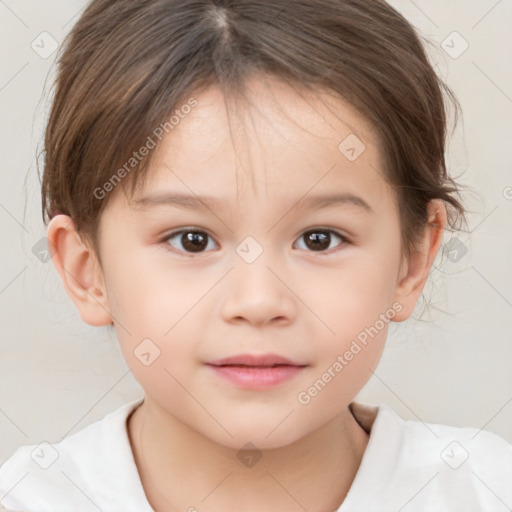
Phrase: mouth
(258, 360)
(256, 371)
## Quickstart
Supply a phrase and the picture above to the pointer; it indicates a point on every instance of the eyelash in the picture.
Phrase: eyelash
(344, 240)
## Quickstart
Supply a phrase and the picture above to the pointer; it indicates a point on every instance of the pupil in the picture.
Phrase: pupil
(319, 240)
(193, 241)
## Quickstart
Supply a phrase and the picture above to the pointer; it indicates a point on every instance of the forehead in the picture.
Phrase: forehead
(279, 141)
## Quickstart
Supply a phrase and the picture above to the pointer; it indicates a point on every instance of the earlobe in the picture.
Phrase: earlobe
(79, 271)
(418, 266)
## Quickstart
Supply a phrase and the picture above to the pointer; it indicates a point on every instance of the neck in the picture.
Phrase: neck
(181, 469)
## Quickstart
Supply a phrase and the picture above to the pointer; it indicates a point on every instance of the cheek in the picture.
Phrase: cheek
(353, 296)
(346, 360)
(151, 307)
(340, 380)
(355, 302)
(149, 293)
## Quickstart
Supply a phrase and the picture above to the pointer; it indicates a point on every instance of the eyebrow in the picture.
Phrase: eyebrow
(319, 202)
(200, 202)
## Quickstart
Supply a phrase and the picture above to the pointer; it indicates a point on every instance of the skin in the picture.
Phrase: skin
(304, 304)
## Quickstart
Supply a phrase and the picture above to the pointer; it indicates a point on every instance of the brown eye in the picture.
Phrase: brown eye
(191, 241)
(319, 240)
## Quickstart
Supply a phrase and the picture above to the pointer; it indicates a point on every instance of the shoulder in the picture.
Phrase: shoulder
(429, 442)
(456, 447)
(443, 467)
(81, 472)
(474, 465)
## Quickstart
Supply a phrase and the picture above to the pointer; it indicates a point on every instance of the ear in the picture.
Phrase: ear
(79, 271)
(419, 264)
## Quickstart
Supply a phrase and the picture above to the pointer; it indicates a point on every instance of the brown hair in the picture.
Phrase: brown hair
(128, 64)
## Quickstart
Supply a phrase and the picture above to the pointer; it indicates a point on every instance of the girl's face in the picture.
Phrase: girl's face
(274, 268)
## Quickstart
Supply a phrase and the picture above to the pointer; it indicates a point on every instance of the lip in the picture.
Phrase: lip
(256, 371)
(255, 360)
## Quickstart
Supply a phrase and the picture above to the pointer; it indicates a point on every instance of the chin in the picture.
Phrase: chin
(260, 436)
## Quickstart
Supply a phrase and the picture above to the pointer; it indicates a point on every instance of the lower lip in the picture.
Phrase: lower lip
(255, 377)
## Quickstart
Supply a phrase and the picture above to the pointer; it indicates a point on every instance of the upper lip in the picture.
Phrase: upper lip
(255, 360)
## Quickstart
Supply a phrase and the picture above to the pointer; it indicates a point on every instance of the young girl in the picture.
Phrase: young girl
(250, 192)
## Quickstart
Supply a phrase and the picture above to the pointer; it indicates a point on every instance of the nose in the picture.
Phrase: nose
(258, 295)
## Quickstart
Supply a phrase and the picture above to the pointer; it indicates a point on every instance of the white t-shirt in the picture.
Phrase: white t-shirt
(408, 466)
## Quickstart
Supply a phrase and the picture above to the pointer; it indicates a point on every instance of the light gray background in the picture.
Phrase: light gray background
(58, 374)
